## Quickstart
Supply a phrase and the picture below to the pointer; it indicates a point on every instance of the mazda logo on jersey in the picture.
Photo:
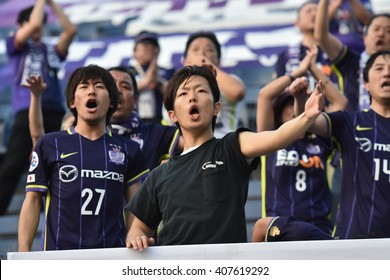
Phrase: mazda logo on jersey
(68, 173)
(364, 143)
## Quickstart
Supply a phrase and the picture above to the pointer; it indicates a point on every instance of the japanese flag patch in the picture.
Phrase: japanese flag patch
(31, 178)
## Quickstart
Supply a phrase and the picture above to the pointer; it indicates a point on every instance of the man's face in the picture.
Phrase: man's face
(201, 47)
(379, 80)
(145, 52)
(194, 105)
(92, 101)
(377, 37)
(306, 18)
(126, 95)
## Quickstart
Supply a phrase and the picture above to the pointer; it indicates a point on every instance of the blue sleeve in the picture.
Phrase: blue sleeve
(37, 179)
(10, 44)
(339, 127)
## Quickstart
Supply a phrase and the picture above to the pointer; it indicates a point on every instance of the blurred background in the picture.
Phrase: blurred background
(251, 32)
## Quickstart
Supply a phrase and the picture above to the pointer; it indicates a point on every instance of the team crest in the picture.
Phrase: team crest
(116, 156)
(34, 161)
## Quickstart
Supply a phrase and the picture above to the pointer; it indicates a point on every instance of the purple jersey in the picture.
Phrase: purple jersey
(150, 101)
(157, 141)
(83, 183)
(294, 182)
(364, 141)
(347, 27)
(34, 59)
(348, 67)
(289, 60)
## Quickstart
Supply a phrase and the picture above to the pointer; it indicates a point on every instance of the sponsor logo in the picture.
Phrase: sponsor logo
(364, 144)
(34, 161)
(293, 158)
(62, 156)
(68, 173)
(363, 128)
(382, 147)
(210, 165)
(100, 174)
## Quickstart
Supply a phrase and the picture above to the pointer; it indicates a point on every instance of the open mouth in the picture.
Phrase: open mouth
(91, 104)
(386, 84)
(379, 43)
(194, 111)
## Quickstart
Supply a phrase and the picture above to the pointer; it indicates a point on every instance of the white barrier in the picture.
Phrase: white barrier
(367, 249)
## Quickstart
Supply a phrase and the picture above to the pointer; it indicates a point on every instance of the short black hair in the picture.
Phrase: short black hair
(85, 74)
(372, 19)
(304, 4)
(24, 15)
(204, 34)
(371, 61)
(184, 74)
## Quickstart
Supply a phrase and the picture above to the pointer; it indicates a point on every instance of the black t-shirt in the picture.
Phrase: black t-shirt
(199, 196)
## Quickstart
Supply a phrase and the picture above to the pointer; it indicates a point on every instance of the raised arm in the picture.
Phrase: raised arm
(231, 86)
(265, 119)
(329, 43)
(35, 23)
(360, 11)
(69, 29)
(35, 119)
(333, 7)
(337, 101)
(261, 143)
(300, 93)
(150, 79)
(265, 112)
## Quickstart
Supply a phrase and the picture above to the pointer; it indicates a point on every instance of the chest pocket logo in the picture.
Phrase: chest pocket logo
(68, 173)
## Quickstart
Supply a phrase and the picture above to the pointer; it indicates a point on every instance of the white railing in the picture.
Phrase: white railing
(367, 249)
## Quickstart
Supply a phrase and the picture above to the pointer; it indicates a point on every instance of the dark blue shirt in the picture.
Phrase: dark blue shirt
(294, 181)
(83, 184)
(157, 141)
(364, 141)
(34, 59)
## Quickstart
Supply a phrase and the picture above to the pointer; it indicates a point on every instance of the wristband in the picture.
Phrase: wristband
(292, 78)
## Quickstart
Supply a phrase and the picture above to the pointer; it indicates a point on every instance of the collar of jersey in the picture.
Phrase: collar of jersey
(71, 130)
